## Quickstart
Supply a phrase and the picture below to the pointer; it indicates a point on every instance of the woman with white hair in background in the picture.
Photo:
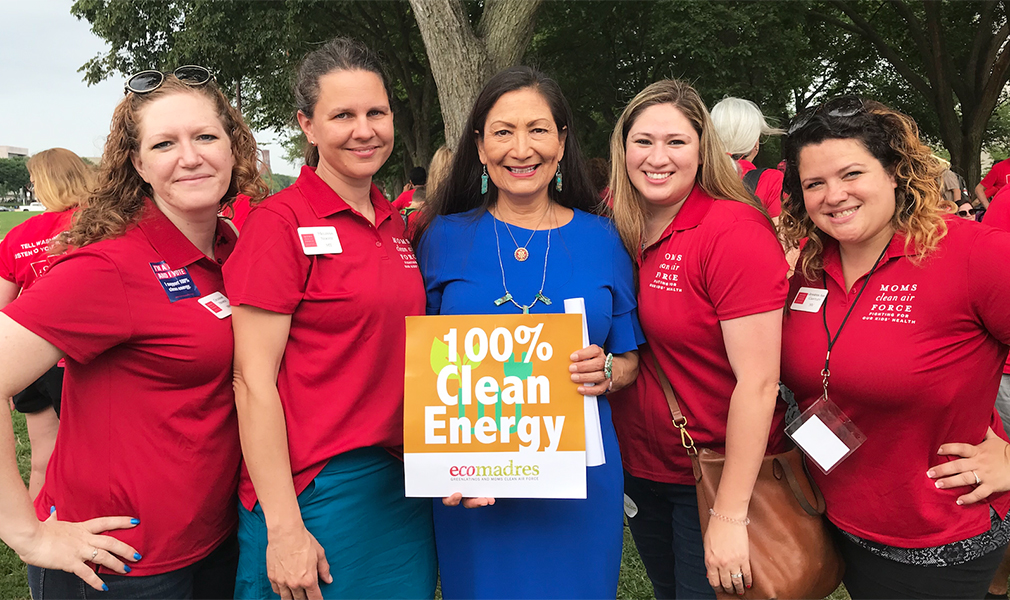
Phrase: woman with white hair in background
(740, 126)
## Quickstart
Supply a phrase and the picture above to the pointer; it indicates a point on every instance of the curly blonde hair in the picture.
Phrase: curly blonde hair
(717, 174)
(62, 180)
(119, 197)
(893, 139)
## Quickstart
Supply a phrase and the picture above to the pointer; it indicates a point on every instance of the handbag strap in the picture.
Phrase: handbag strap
(801, 498)
(679, 420)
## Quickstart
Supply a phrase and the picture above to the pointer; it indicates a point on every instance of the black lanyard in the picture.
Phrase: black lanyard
(824, 315)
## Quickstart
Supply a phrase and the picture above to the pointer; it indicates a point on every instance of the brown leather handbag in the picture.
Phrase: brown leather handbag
(792, 552)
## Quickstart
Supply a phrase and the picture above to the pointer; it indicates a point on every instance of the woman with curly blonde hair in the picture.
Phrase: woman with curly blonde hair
(137, 309)
(711, 287)
(913, 357)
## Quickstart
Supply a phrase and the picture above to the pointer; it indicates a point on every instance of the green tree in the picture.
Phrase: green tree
(946, 63)
(254, 48)
(13, 176)
(603, 53)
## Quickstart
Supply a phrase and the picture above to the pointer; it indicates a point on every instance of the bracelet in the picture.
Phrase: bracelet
(608, 367)
(744, 521)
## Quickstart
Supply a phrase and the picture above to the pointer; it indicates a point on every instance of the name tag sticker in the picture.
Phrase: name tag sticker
(177, 283)
(319, 240)
(217, 304)
(809, 299)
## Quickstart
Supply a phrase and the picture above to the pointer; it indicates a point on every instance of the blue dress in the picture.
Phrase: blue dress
(535, 548)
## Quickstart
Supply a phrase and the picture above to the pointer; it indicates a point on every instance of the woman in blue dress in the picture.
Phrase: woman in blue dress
(513, 230)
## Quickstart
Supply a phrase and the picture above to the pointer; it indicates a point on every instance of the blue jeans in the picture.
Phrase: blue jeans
(212, 577)
(667, 533)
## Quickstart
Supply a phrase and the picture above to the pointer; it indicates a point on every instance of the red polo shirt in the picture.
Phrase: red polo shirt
(917, 365)
(718, 260)
(24, 251)
(997, 177)
(998, 216)
(403, 200)
(769, 187)
(148, 426)
(341, 377)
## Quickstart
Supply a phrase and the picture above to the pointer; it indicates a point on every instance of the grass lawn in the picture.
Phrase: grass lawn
(13, 578)
(9, 220)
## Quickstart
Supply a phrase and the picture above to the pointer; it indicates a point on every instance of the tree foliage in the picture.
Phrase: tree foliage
(945, 63)
(13, 175)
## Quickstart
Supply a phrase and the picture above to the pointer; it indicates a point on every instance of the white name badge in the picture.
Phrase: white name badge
(825, 434)
(319, 240)
(217, 304)
(809, 299)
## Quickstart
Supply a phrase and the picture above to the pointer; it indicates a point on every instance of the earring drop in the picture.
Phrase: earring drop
(557, 183)
(483, 181)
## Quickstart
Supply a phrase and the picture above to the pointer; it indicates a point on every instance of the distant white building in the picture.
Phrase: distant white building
(13, 152)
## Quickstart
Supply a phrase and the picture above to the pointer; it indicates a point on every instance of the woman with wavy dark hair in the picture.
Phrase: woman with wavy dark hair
(511, 231)
(898, 317)
(137, 309)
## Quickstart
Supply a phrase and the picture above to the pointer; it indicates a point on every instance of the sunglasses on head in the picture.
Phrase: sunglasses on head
(841, 107)
(146, 82)
(967, 213)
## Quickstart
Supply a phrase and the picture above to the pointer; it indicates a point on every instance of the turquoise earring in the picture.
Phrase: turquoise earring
(483, 181)
(557, 183)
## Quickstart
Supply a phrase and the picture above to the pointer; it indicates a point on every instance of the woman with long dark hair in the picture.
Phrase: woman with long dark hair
(514, 230)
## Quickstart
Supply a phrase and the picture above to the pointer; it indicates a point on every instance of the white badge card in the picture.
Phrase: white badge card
(825, 434)
(217, 304)
(809, 299)
(319, 240)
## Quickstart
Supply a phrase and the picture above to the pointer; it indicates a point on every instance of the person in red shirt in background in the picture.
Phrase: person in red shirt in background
(321, 281)
(712, 284)
(599, 174)
(995, 180)
(909, 342)
(61, 180)
(438, 172)
(998, 216)
(415, 185)
(149, 428)
(740, 125)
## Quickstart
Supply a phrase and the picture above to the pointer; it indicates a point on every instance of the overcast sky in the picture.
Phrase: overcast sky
(44, 102)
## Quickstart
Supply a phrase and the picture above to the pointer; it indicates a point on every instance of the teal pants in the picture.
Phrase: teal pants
(379, 543)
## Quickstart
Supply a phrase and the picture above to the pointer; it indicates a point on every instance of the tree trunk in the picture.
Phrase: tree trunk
(462, 61)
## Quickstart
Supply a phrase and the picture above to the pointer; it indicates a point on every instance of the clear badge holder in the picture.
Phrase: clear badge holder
(825, 434)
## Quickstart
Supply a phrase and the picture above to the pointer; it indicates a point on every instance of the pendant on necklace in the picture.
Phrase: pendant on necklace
(521, 254)
(543, 299)
(503, 299)
(526, 310)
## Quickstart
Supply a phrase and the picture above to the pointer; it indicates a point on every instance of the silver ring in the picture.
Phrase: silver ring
(94, 554)
(977, 480)
(736, 575)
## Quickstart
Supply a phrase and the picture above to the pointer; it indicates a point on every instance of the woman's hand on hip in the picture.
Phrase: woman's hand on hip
(295, 563)
(984, 467)
(69, 546)
(727, 557)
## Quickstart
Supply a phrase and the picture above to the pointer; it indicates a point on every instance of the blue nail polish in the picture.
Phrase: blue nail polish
(137, 556)
(134, 521)
(52, 509)
(127, 568)
(105, 588)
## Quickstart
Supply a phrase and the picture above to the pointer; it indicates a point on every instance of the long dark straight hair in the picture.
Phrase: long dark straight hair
(461, 190)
